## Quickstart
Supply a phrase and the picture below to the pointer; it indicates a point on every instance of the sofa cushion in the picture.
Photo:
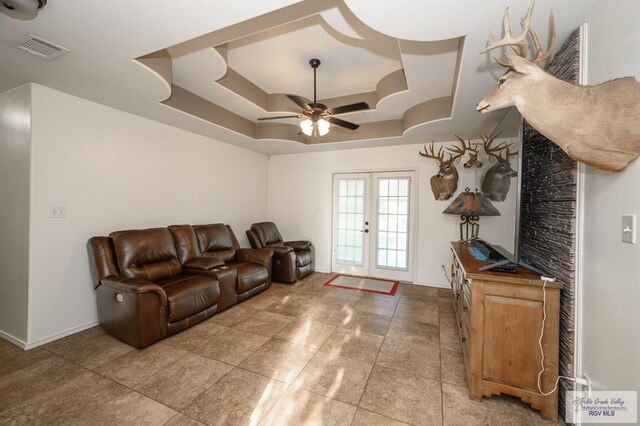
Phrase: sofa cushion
(189, 294)
(186, 242)
(216, 240)
(268, 233)
(146, 254)
(250, 275)
(304, 257)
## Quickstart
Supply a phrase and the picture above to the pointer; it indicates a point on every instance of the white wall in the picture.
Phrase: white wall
(300, 198)
(113, 170)
(15, 154)
(611, 285)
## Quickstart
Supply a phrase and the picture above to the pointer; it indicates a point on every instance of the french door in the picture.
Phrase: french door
(372, 224)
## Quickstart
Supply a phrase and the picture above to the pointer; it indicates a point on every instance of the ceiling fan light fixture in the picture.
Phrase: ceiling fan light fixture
(323, 127)
(315, 128)
(307, 127)
(318, 117)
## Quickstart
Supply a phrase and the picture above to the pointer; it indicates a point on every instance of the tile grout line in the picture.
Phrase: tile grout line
(121, 384)
(377, 355)
(394, 316)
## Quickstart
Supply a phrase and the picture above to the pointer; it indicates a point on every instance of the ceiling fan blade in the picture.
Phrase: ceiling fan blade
(302, 102)
(349, 108)
(342, 123)
(278, 118)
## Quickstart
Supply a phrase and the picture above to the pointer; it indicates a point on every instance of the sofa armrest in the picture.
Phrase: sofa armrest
(299, 245)
(134, 286)
(279, 251)
(132, 310)
(204, 263)
(258, 256)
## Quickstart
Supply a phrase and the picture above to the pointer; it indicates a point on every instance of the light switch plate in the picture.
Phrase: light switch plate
(57, 212)
(629, 228)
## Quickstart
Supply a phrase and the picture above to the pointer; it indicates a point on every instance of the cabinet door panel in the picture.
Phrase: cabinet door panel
(511, 354)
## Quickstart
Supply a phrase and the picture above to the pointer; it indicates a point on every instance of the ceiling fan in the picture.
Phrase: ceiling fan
(318, 115)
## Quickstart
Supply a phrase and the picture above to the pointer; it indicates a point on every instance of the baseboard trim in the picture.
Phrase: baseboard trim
(447, 286)
(57, 336)
(13, 340)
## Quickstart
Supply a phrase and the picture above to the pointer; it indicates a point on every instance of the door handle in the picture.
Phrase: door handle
(366, 231)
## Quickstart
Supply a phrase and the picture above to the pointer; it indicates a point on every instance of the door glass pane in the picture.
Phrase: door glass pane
(403, 188)
(382, 222)
(350, 241)
(382, 240)
(392, 218)
(403, 205)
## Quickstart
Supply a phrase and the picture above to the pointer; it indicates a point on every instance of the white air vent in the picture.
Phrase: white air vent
(39, 47)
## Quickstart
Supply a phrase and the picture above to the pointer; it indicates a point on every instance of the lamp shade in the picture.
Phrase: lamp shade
(307, 127)
(469, 203)
(314, 128)
(323, 127)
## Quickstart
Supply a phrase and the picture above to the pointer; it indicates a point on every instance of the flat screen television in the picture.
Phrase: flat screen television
(514, 258)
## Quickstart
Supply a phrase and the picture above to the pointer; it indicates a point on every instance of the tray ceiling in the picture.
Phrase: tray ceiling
(215, 67)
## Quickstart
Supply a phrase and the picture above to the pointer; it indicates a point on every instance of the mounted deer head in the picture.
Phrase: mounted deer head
(497, 179)
(597, 125)
(445, 183)
(474, 150)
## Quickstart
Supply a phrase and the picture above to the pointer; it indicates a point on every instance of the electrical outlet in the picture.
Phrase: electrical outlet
(57, 212)
(629, 228)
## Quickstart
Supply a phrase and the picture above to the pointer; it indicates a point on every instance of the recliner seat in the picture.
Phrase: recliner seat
(292, 260)
(143, 292)
(253, 267)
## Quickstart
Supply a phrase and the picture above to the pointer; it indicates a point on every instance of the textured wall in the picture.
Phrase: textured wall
(548, 231)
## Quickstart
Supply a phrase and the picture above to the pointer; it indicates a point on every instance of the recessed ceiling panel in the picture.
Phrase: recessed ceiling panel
(277, 61)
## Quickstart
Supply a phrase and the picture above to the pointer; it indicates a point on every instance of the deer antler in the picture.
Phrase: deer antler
(473, 147)
(520, 43)
(496, 152)
(538, 55)
(457, 150)
(509, 154)
(430, 153)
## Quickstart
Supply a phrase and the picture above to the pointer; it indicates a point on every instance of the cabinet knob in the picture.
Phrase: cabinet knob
(119, 297)
(463, 339)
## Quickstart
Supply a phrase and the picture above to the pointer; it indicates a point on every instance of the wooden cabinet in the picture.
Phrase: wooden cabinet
(499, 318)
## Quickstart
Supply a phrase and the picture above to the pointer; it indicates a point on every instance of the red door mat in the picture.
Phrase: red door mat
(370, 285)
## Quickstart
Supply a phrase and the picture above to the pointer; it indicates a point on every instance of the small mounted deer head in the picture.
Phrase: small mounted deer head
(597, 125)
(445, 183)
(474, 150)
(497, 179)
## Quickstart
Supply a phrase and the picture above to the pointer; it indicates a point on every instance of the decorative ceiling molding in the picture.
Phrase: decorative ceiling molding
(203, 84)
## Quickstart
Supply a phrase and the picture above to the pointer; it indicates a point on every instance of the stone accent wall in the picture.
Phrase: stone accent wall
(548, 234)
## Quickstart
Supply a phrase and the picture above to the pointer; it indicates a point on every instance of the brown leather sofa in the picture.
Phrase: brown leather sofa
(218, 244)
(292, 260)
(152, 283)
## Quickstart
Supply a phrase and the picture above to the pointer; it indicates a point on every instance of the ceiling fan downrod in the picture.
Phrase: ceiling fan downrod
(315, 63)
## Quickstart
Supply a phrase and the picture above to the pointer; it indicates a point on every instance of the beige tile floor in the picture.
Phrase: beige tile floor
(295, 354)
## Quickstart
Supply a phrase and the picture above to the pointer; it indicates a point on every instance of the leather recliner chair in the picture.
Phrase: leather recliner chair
(292, 260)
(252, 267)
(144, 292)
